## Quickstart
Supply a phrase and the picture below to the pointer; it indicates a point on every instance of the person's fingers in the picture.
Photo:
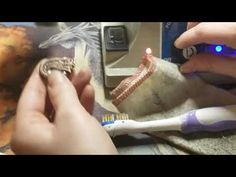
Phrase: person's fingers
(87, 98)
(33, 96)
(188, 38)
(85, 91)
(49, 111)
(61, 92)
(200, 62)
(210, 63)
(68, 109)
(211, 33)
(31, 123)
(81, 79)
(191, 25)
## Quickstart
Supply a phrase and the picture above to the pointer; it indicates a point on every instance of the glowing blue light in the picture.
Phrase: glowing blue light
(218, 48)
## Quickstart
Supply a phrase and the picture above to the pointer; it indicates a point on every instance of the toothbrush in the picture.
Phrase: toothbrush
(212, 119)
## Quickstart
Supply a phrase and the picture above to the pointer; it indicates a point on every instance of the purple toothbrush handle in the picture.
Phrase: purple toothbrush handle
(191, 124)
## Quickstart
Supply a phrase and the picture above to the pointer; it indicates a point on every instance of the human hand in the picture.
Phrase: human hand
(73, 131)
(211, 33)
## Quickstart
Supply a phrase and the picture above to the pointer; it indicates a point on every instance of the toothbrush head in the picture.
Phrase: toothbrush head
(112, 123)
(108, 119)
(111, 118)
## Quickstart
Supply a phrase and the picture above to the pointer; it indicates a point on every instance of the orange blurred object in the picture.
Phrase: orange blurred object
(8, 104)
(16, 51)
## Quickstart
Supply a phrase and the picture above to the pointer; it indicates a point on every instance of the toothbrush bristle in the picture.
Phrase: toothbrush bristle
(113, 117)
(108, 117)
(122, 116)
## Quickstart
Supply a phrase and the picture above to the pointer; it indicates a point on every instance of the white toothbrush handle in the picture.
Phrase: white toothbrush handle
(159, 125)
(212, 119)
(121, 127)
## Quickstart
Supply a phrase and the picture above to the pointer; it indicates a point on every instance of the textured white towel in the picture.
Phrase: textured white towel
(168, 93)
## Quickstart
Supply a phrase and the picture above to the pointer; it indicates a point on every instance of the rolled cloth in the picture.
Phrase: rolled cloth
(159, 91)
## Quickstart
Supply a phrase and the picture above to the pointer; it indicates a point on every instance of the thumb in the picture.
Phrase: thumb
(61, 91)
(210, 63)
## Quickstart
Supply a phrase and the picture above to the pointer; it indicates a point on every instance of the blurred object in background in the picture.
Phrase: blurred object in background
(17, 53)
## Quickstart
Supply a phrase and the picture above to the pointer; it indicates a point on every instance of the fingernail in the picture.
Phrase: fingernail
(177, 43)
(56, 77)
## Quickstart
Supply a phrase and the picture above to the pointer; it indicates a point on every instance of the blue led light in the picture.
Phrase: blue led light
(218, 48)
